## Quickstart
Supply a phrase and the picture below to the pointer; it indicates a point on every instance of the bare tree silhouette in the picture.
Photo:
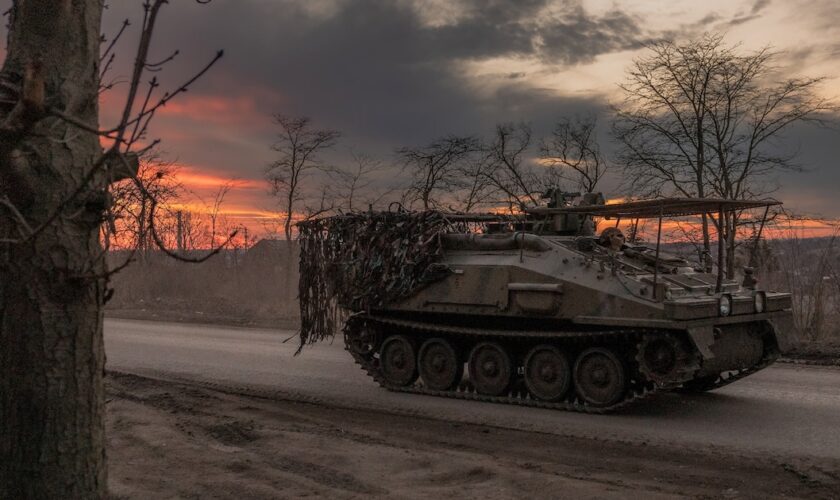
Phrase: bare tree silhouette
(699, 118)
(573, 149)
(55, 193)
(299, 146)
(435, 167)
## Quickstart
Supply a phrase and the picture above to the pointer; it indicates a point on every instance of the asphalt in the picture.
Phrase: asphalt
(784, 410)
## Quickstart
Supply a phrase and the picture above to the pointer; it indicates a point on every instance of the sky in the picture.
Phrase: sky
(403, 72)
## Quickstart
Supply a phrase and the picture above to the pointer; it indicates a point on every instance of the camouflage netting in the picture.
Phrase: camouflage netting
(361, 261)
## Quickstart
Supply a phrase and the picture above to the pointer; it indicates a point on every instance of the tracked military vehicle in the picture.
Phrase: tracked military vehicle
(540, 309)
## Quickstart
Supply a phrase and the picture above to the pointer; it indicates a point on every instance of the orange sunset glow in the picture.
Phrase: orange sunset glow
(220, 133)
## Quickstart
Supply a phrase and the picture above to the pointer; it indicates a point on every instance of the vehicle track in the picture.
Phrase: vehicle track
(518, 395)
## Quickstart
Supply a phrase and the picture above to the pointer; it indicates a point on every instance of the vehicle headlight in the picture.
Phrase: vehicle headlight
(760, 302)
(725, 305)
(669, 294)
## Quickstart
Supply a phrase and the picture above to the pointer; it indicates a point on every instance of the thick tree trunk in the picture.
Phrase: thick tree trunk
(51, 289)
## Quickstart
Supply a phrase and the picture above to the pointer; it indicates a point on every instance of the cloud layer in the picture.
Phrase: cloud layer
(394, 73)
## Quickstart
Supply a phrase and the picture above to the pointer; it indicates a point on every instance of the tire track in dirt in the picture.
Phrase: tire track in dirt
(180, 439)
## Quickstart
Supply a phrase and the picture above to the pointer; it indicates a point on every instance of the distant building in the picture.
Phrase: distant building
(269, 251)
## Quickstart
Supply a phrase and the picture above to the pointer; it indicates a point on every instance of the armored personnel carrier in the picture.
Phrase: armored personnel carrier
(539, 309)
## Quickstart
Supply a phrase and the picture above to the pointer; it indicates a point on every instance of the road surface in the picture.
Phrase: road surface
(785, 410)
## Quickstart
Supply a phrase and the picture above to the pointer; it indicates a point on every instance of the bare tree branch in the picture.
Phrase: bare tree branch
(507, 169)
(299, 147)
(698, 119)
(436, 167)
(573, 149)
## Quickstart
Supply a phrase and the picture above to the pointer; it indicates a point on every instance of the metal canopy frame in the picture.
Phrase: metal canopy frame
(668, 207)
(663, 207)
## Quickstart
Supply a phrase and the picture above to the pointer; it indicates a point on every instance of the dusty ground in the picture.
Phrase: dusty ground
(178, 440)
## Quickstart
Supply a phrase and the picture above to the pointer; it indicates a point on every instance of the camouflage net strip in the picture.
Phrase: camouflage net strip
(362, 261)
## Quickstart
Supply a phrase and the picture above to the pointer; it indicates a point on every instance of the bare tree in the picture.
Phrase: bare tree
(573, 149)
(299, 147)
(435, 167)
(356, 183)
(191, 228)
(806, 274)
(746, 115)
(697, 119)
(214, 213)
(131, 207)
(473, 183)
(54, 194)
(507, 168)
(662, 121)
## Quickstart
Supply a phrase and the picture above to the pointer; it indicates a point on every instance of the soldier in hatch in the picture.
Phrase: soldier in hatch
(612, 238)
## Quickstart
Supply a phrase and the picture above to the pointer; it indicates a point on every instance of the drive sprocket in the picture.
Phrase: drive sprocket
(665, 360)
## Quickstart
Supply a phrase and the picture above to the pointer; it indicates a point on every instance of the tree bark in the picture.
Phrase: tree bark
(52, 291)
(731, 235)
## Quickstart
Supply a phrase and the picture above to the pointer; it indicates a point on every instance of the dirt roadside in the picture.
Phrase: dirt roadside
(218, 317)
(178, 440)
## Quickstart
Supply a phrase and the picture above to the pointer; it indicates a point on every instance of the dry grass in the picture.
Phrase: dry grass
(809, 268)
(230, 288)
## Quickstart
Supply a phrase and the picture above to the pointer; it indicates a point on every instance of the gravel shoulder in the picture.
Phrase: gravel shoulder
(175, 439)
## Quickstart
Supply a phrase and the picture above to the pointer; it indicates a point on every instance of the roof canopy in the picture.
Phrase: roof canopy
(665, 207)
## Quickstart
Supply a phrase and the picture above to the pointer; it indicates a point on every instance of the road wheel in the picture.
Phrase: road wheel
(439, 365)
(396, 357)
(547, 373)
(600, 377)
(491, 369)
(361, 338)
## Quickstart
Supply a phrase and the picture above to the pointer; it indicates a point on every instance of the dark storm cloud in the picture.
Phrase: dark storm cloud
(375, 70)
(489, 29)
(814, 191)
(759, 5)
(577, 37)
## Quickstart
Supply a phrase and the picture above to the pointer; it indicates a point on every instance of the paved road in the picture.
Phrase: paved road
(784, 410)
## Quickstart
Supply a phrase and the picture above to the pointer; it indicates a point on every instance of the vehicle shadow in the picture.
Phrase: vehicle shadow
(674, 404)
